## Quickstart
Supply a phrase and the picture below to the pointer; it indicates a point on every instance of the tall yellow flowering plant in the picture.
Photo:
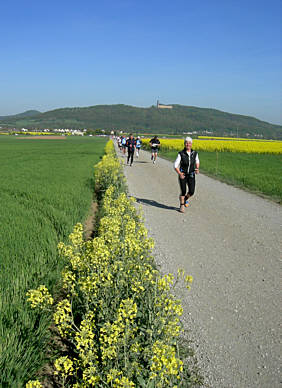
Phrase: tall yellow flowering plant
(119, 314)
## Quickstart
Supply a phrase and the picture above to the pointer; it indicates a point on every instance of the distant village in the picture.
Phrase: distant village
(102, 132)
(47, 131)
(76, 132)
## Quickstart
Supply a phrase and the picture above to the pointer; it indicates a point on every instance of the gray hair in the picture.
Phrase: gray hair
(188, 139)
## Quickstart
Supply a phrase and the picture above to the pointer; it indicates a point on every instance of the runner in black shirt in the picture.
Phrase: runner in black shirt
(186, 165)
(155, 145)
(130, 144)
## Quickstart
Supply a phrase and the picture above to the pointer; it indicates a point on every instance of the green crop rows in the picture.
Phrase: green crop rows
(46, 187)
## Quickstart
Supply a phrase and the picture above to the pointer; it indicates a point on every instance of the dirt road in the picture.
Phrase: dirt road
(230, 241)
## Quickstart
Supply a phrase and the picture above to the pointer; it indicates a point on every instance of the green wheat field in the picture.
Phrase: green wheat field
(46, 187)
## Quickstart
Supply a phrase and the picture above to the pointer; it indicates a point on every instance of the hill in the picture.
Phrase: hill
(27, 113)
(177, 120)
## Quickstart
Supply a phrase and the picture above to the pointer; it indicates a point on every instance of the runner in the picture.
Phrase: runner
(123, 143)
(155, 144)
(138, 146)
(186, 165)
(130, 144)
(119, 143)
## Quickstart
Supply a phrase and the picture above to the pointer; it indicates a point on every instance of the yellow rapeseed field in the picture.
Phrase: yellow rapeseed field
(234, 138)
(265, 147)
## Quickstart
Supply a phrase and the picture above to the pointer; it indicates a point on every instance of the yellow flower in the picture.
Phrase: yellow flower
(63, 317)
(164, 364)
(40, 297)
(76, 237)
(189, 279)
(124, 382)
(165, 283)
(63, 366)
(90, 376)
(33, 384)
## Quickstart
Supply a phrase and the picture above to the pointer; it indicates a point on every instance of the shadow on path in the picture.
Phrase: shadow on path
(155, 203)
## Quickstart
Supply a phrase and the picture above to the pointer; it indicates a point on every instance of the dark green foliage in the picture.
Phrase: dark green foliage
(46, 187)
(148, 120)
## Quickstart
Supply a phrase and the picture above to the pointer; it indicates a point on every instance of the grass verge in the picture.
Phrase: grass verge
(258, 173)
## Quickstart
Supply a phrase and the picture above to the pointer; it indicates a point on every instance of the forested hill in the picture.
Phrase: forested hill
(27, 113)
(177, 120)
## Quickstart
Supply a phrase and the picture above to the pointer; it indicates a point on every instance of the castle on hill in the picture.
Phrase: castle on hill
(162, 106)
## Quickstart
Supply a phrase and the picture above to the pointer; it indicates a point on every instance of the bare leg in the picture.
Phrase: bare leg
(181, 198)
(155, 157)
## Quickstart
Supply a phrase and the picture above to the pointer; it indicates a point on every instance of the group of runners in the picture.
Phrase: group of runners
(133, 145)
(186, 165)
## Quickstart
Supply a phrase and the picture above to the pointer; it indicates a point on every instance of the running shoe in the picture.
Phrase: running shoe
(186, 204)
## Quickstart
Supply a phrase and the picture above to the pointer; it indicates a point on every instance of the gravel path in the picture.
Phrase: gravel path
(230, 241)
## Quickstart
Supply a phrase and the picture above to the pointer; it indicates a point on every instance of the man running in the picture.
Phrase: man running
(186, 165)
(155, 145)
(130, 144)
(138, 146)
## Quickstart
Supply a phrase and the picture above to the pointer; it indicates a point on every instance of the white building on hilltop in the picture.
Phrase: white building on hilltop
(162, 106)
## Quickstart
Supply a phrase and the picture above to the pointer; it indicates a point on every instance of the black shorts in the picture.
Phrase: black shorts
(154, 150)
(189, 181)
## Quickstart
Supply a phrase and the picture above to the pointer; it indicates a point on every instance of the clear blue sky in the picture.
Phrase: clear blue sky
(223, 54)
